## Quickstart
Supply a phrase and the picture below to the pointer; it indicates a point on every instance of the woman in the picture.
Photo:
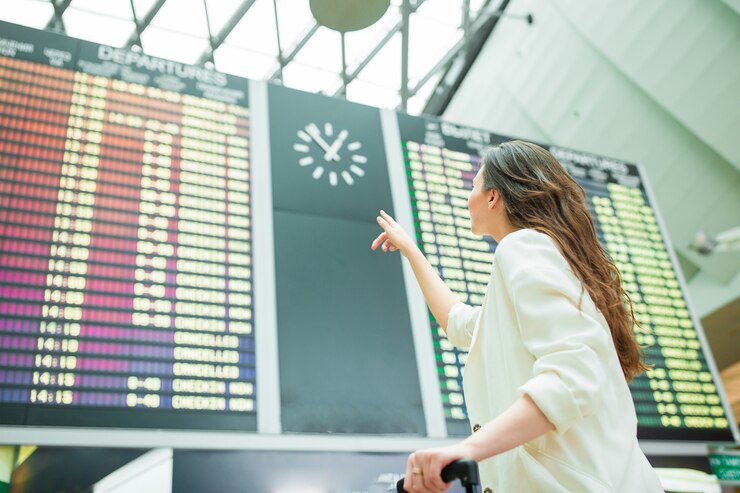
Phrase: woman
(550, 350)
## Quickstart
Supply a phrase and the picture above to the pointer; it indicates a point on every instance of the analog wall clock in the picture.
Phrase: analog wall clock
(323, 150)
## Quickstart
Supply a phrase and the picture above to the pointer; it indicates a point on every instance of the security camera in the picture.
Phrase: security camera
(723, 242)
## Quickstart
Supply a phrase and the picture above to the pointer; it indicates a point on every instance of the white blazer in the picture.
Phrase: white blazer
(529, 337)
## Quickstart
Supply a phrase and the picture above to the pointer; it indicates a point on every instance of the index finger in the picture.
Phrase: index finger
(387, 217)
(408, 478)
(383, 223)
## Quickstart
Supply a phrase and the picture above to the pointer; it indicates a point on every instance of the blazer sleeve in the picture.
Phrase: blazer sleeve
(461, 323)
(570, 347)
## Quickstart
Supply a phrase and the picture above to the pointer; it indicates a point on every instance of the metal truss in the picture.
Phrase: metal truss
(135, 38)
(56, 23)
(218, 40)
(454, 64)
(383, 41)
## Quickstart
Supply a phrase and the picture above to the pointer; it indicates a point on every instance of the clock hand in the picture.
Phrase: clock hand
(332, 152)
(313, 131)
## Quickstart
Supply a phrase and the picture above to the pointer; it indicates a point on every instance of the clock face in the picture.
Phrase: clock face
(324, 150)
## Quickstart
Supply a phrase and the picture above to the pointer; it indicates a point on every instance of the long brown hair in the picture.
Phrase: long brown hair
(539, 194)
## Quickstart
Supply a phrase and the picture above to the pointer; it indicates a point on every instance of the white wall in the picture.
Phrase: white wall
(655, 83)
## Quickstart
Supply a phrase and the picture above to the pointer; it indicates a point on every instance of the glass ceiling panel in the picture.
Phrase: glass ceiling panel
(244, 63)
(323, 50)
(120, 9)
(98, 28)
(172, 45)
(428, 88)
(361, 43)
(306, 78)
(415, 105)
(429, 41)
(448, 12)
(179, 32)
(419, 100)
(143, 7)
(294, 18)
(256, 30)
(32, 13)
(220, 11)
(361, 91)
(183, 16)
(385, 67)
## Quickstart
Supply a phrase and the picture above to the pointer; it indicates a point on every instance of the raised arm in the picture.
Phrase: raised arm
(436, 293)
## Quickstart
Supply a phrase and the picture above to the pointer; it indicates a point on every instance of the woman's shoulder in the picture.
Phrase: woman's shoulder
(525, 241)
(527, 249)
(523, 235)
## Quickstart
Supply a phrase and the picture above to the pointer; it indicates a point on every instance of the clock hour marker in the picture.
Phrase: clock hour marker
(330, 140)
(312, 128)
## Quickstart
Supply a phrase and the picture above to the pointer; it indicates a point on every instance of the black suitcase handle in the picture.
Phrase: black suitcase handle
(466, 470)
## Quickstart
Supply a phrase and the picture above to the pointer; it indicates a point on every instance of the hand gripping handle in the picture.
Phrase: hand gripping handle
(466, 470)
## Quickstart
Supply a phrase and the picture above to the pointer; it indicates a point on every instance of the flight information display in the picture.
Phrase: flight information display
(678, 398)
(126, 267)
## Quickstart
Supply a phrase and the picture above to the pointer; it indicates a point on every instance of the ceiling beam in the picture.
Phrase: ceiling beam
(135, 38)
(384, 41)
(283, 61)
(56, 22)
(219, 39)
(457, 62)
(458, 49)
(405, 15)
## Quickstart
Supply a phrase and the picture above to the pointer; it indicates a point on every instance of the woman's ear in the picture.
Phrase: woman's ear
(493, 198)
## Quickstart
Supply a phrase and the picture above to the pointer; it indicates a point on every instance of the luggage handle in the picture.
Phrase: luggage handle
(466, 470)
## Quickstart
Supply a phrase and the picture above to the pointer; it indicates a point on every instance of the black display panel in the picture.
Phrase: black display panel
(347, 360)
(271, 471)
(126, 288)
(678, 399)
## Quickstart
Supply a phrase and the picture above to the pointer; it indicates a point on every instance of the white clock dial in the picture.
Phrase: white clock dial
(333, 162)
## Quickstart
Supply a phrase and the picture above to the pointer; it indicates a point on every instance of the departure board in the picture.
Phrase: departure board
(678, 398)
(126, 239)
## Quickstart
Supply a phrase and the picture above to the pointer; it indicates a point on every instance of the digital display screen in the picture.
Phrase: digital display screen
(125, 264)
(678, 398)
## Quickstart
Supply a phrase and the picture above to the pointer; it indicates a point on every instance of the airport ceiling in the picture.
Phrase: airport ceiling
(279, 40)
